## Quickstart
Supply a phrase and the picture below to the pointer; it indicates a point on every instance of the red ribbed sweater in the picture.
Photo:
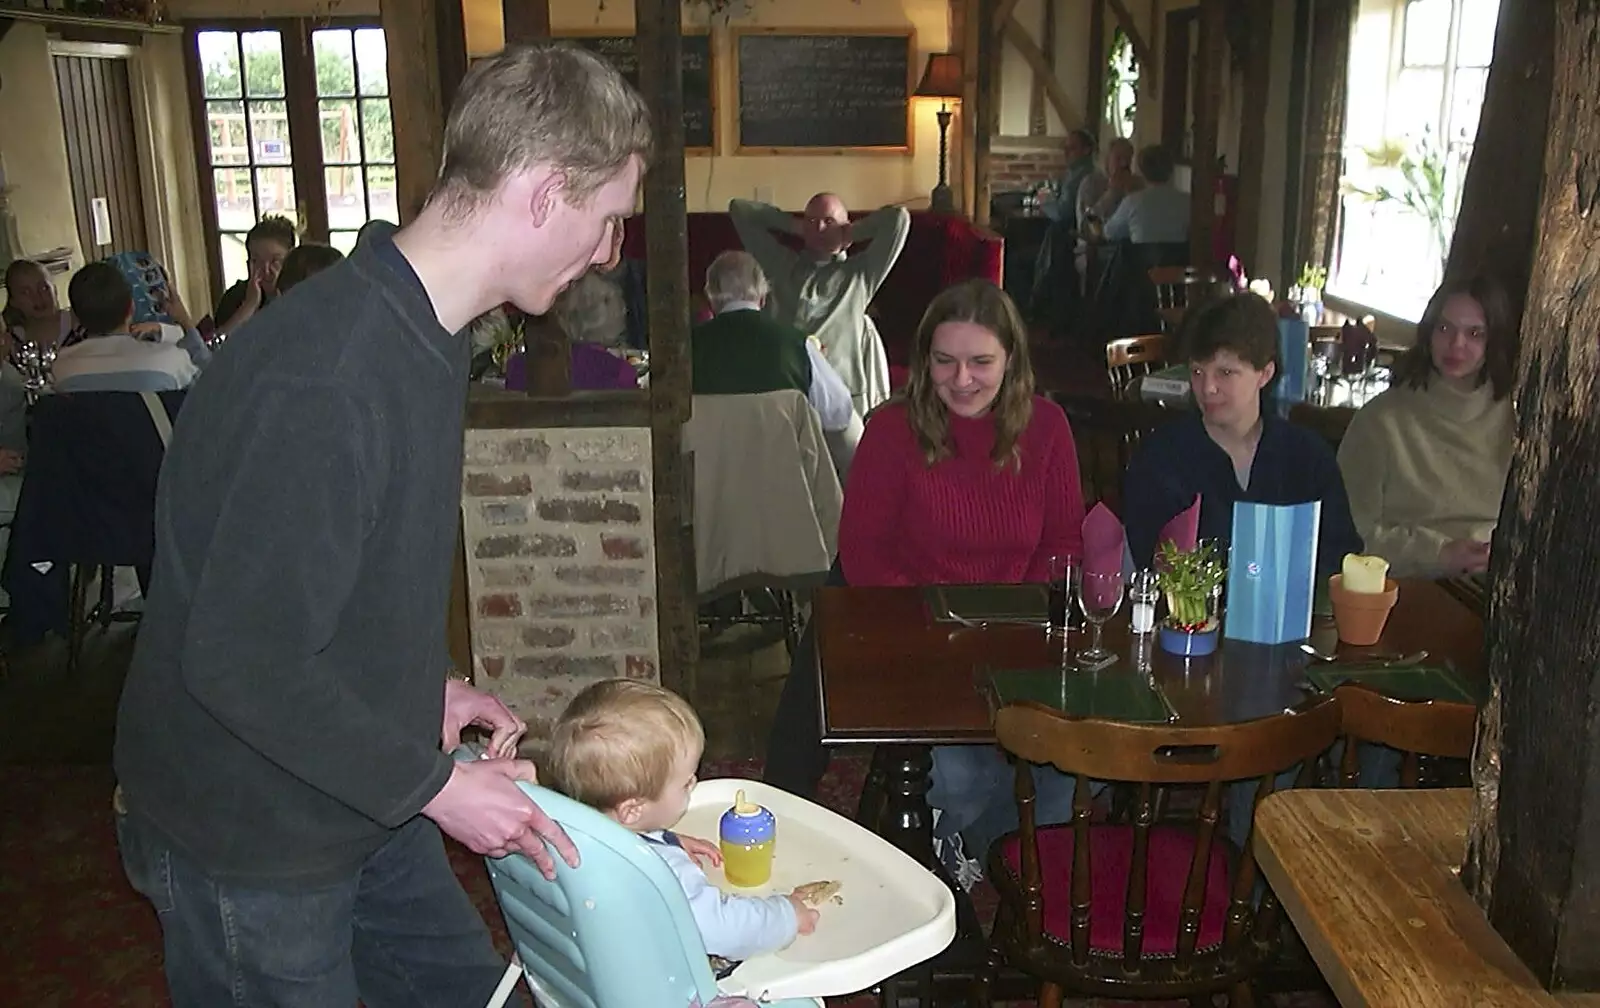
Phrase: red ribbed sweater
(962, 520)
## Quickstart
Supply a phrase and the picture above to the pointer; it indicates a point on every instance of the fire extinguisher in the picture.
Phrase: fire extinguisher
(1224, 217)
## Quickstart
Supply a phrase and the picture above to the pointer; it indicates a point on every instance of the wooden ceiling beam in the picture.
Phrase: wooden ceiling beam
(1071, 117)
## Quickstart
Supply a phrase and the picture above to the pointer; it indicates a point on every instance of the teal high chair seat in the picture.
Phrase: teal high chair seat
(615, 932)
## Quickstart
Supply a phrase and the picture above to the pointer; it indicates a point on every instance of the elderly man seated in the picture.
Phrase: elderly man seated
(742, 350)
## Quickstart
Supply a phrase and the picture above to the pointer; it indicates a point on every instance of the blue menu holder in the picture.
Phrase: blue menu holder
(1272, 572)
(1294, 340)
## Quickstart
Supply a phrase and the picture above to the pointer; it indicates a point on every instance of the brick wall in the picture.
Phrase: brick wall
(560, 563)
(1011, 170)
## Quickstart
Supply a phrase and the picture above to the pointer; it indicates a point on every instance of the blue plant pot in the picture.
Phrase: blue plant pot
(1186, 644)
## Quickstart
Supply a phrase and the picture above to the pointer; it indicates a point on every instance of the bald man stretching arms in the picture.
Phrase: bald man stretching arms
(821, 291)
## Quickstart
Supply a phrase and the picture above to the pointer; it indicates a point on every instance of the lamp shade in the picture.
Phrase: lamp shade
(941, 78)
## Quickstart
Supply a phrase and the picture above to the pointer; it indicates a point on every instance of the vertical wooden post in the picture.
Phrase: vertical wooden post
(525, 20)
(450, 33)
(659, 31)
(1253, 133)
(971, 25)
(1094, 91)
(1533, 856)
(1496, 228)
(985, 110)
(1207, 108)
(416, 97)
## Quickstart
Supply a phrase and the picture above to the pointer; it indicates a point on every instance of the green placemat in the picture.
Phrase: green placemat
(1410, 682)
(1111, 694)
(988, 603)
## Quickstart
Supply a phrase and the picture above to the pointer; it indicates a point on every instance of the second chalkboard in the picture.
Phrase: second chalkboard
(817, 91)
(699, 80)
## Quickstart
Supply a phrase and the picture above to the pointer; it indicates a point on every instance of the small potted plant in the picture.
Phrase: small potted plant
(1191, 580)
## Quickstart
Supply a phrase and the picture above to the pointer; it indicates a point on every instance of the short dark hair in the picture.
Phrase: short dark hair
(273, 227)
(1242, 322)
(1086, 138)
(1155, 164)
(1415, 366)
(303, 261)
(101, 298)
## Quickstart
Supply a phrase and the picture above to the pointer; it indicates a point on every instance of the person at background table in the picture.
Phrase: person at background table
(306, 261)
(1426, 461)
(1064, 205)
(115, 355)
(266, 247)
(821, 290)
(743, 351)
(1102, 192)
(966, 478)
(1231, 449)
(32, 314)
(283, 740)
(1157, 214)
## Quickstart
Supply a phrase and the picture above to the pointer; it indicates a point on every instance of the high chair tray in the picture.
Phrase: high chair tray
(890, 913)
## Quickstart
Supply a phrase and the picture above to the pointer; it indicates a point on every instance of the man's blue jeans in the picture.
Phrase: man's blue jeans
(398, 932)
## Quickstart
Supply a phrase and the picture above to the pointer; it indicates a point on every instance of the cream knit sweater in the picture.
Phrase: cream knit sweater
(1425, 466)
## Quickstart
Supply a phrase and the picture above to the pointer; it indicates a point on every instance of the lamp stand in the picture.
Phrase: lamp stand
(943, 201)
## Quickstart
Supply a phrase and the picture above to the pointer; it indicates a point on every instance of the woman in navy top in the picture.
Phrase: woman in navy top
(1230, 449)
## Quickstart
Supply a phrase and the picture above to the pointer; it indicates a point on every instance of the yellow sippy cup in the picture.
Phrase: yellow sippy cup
(749, 835)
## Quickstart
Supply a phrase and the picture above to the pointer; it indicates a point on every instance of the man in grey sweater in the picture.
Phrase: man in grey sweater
(821, 290)
(283, 742)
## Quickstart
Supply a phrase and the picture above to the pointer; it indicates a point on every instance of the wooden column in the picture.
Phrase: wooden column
(1211, 59)
(416, 96)
(1094, 102)
(525, 20)
(659, 31)
(984, 113)
(1497, 226)
(1533, 858)
(1253, 134)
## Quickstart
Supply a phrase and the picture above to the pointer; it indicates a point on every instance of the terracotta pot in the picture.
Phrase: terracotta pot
(1360, 616)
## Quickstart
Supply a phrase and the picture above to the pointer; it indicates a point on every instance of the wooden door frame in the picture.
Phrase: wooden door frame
(157, 219)
(310, 186)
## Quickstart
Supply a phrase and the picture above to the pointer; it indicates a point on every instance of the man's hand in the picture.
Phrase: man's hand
(10, 462)
(1464, 556)
(464, 706)
(482, 806)
(171, 304)
(699, 849)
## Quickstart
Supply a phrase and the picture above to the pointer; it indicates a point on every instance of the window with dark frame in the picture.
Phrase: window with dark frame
(292, 118)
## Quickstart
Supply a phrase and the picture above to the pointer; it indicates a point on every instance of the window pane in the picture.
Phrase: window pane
(1415, 106)
(340, 145)
(1475, 43)
(377, 129)
(1466, 105)
(225, 128)
(344, 241)
(1427, 32)
(263, 64)
(347, 205)
(269, 130)
(236, 209)
(219, 64)
(235, 266)
(380, 192)
(276, 189)
(372, 58)
(336, 63)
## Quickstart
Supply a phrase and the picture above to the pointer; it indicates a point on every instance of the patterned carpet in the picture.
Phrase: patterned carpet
(74, 933)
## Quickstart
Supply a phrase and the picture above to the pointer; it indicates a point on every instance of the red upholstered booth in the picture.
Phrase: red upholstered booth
(942, 249)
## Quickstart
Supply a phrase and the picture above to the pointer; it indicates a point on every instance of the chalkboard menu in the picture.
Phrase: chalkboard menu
(819, 91)
(699, 109)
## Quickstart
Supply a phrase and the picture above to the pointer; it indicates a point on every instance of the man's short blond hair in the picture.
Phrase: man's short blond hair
(548, 103)
(620, 739)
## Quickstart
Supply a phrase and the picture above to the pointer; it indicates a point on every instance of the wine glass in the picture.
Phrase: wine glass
(1099, 598)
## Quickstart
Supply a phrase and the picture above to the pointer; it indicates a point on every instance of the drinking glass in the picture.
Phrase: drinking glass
(1099, 596)
(1064, 570)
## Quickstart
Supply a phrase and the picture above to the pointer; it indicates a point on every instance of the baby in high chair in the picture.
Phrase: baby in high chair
(631, 749)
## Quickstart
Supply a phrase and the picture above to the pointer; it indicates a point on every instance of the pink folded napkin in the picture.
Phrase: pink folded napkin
(1103, 545)
(1183, 531)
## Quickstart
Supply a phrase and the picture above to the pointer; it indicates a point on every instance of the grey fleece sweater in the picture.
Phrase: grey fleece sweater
(283, 710)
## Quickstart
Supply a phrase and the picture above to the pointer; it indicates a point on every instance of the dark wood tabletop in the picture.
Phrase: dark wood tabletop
(890, 673)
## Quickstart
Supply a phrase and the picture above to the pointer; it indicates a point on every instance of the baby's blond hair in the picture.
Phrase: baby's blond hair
(619, 739)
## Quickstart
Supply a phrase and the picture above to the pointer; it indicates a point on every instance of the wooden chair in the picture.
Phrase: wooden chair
(1106, 433)
(1417, 728)
(1179, 288)
(1131, 358)
(1142, 911)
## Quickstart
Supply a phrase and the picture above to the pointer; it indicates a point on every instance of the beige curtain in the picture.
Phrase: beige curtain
(1332, 23)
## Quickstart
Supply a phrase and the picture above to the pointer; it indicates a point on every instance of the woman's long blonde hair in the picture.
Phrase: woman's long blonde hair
(981, 303)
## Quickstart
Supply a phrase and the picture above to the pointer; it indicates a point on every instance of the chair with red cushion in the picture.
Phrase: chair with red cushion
(1144, 910)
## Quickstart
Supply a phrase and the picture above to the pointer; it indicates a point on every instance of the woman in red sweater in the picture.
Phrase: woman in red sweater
(966, 477)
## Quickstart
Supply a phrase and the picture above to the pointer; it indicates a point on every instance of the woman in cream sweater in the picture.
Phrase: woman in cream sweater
(1425, 463)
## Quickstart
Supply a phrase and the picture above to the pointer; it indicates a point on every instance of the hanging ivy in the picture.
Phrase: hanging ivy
(1122, 84)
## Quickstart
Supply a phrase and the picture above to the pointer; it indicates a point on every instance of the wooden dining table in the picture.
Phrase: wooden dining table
(892, 675)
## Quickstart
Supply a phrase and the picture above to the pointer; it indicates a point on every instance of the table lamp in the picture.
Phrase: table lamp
(941, 79)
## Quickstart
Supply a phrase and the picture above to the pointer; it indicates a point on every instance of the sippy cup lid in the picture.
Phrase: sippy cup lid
(742, 807)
